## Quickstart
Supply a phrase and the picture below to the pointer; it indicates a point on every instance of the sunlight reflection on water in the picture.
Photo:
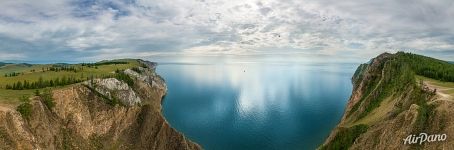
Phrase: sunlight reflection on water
(254, 105)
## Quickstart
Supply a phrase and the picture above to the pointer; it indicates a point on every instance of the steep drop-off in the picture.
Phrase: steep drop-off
(389, 102)
(97, 114)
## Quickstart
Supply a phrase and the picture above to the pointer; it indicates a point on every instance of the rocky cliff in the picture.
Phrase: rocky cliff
(97, 114)
(389, 104)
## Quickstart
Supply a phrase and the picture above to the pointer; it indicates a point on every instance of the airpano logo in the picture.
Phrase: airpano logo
(424, 137)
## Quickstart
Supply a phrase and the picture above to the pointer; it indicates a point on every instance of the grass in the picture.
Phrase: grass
(450, 92)
(12, 96)
(395, 77)
(388, 104)
(27, 73)
(436, 82)
(377, 114)
(345, 138)
(398, 76)
(47, 75)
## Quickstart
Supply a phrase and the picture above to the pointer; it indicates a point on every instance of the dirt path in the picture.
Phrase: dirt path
(441, 91)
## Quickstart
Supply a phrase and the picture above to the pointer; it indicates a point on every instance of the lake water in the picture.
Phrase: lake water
(256, 105)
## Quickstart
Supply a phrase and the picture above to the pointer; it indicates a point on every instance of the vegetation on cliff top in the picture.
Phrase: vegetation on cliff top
(396, 74)
(428, 67)
(393, 76)
(25, 109)
(17, 80)
(345, 137)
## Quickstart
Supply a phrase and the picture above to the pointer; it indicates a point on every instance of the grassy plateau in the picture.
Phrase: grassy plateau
(10, 74)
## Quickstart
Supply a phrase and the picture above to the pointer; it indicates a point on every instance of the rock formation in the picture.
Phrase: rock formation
(83, 118)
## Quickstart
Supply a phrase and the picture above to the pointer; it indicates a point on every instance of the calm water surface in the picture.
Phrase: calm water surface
(256, 105)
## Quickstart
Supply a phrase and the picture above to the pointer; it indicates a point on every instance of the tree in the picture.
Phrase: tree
(19, 85)
(25, 109)
(40, 82)
(47, 98)
(37, 93)
(57, 81)
(26, 85)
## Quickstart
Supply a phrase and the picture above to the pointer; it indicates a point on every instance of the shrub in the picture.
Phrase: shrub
(136, 69)
(47, 98)
(125, 78)
(25, 109)
(345, 137)
(37, 93)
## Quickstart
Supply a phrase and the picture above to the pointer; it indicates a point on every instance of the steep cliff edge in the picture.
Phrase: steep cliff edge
(392, 100)
(105, 113)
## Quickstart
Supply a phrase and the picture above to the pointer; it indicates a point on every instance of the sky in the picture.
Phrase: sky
(199, 30)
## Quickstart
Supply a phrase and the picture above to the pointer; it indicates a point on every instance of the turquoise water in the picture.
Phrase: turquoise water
(256, 105)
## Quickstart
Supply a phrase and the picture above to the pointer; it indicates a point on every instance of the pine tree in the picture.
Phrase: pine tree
(19, 85)
(37, 93)
(40, 82)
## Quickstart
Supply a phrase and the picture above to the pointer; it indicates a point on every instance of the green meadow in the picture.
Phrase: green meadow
(35, 72)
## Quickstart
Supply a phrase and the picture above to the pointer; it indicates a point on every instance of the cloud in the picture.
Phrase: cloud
(101, 29)
(10, 56)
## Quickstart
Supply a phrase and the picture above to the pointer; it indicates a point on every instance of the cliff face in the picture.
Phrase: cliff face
(84, 118)
(387, 105)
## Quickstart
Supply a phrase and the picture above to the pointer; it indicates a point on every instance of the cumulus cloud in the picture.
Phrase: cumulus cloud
(101, 29)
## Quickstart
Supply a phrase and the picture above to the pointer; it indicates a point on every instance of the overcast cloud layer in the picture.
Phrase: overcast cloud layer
(83, 30)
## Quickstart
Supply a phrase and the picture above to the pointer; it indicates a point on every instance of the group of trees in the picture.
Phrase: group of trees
(429, 67)
(94, 65)
(63, 68)
(120, 75)
(65, 80)
(136, 69)
(41, 83)
(69, 68)
(25, 108)
(12, 74)
(25, 85)
(55, 68)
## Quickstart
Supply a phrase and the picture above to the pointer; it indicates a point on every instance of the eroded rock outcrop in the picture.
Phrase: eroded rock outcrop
(112, 88)
(81, 118)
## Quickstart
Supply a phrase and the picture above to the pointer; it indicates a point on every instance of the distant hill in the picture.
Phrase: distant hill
(2, 64)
